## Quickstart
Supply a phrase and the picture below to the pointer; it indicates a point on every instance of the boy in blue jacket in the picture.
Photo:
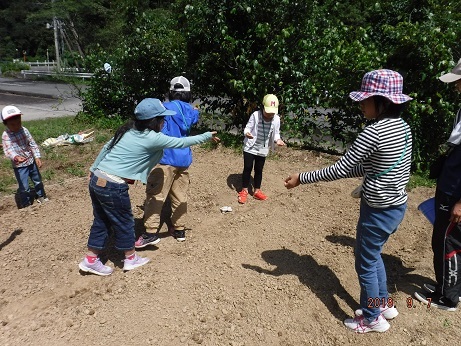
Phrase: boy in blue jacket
(171, 177)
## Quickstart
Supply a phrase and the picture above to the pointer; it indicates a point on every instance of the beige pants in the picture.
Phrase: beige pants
(164, 181)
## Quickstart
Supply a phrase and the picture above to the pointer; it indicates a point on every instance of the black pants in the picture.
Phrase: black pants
(248, 161)
(446, 245)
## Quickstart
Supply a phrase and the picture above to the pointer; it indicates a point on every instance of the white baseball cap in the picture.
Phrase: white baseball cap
(9, 112)
(180, 84)
(452, 76)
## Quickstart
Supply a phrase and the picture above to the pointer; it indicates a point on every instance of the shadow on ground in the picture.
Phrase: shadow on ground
(12, 236)
(318, 278)
(234, 181)
(399, 277)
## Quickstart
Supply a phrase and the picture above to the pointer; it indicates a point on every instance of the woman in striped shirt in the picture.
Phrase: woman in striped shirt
(382, 155)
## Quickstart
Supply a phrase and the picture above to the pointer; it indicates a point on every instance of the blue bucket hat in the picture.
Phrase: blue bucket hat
(151, 108)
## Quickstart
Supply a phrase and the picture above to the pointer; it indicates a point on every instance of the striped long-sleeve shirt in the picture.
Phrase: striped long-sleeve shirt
(377, 148)
(22, 144)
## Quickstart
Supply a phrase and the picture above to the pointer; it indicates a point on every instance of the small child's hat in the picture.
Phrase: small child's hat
(9, 112)
(271, 103)
(452, 76)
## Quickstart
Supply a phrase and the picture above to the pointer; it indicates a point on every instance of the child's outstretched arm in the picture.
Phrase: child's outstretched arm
(292, 181)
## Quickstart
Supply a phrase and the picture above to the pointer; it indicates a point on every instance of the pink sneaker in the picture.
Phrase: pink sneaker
(135, 262)
(146, 239)
(96, 268)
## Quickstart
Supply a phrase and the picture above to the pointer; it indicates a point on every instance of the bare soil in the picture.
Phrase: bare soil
(275, 272)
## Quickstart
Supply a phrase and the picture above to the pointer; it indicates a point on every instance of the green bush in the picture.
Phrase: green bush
(11, 67)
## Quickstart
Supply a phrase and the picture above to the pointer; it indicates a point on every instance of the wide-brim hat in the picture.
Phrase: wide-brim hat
(386, 83)
(150, 108)
(453, 75)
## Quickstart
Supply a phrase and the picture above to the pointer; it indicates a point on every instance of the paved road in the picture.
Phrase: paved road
(38, 99)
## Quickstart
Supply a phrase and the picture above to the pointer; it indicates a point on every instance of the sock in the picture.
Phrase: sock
(91, 258)
(131, 257)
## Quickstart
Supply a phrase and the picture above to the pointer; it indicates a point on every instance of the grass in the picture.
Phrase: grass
(420, 179)
(64, 162)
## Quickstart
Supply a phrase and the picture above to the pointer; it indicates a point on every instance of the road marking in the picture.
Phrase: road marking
(11, 84)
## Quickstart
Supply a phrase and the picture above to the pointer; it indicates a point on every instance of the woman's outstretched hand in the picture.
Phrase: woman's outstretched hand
(292, 181)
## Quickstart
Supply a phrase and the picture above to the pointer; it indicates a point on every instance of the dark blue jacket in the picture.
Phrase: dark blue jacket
(179, 125)
(449, 180)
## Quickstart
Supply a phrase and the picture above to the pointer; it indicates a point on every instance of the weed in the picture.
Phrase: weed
(77, 169)
(8, 184)
(102, 138)
(418, 179)
(447, 323)
(48, 174)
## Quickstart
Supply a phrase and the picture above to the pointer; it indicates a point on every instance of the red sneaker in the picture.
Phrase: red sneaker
(260, 195)
(243, 196)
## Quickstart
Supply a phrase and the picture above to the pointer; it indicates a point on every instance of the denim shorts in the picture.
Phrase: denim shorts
(112, 211)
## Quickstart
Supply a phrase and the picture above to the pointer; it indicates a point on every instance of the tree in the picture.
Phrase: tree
(149, 54)
(242, 50)
(313, 53)
(17, 34)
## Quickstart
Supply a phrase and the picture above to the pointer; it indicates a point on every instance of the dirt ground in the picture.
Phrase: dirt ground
(275, 272)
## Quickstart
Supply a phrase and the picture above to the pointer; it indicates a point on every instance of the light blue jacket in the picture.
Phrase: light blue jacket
(136, 154)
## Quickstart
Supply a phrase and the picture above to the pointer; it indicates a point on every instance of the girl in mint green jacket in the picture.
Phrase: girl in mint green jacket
(130, 155)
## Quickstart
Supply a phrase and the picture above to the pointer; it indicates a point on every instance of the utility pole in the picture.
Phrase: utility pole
(56, 41)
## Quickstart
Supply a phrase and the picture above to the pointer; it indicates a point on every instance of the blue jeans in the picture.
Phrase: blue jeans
(373, 229)
(111, 210)
(22, 176)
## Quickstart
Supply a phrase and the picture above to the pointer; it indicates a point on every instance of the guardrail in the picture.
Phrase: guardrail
(42, 63)
(82, 75)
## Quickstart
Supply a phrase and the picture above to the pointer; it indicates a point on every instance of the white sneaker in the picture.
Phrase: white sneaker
(431, 289)
(96, 268)
(134, 263)
(389, 313)
(42, 200)
(360, 325)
